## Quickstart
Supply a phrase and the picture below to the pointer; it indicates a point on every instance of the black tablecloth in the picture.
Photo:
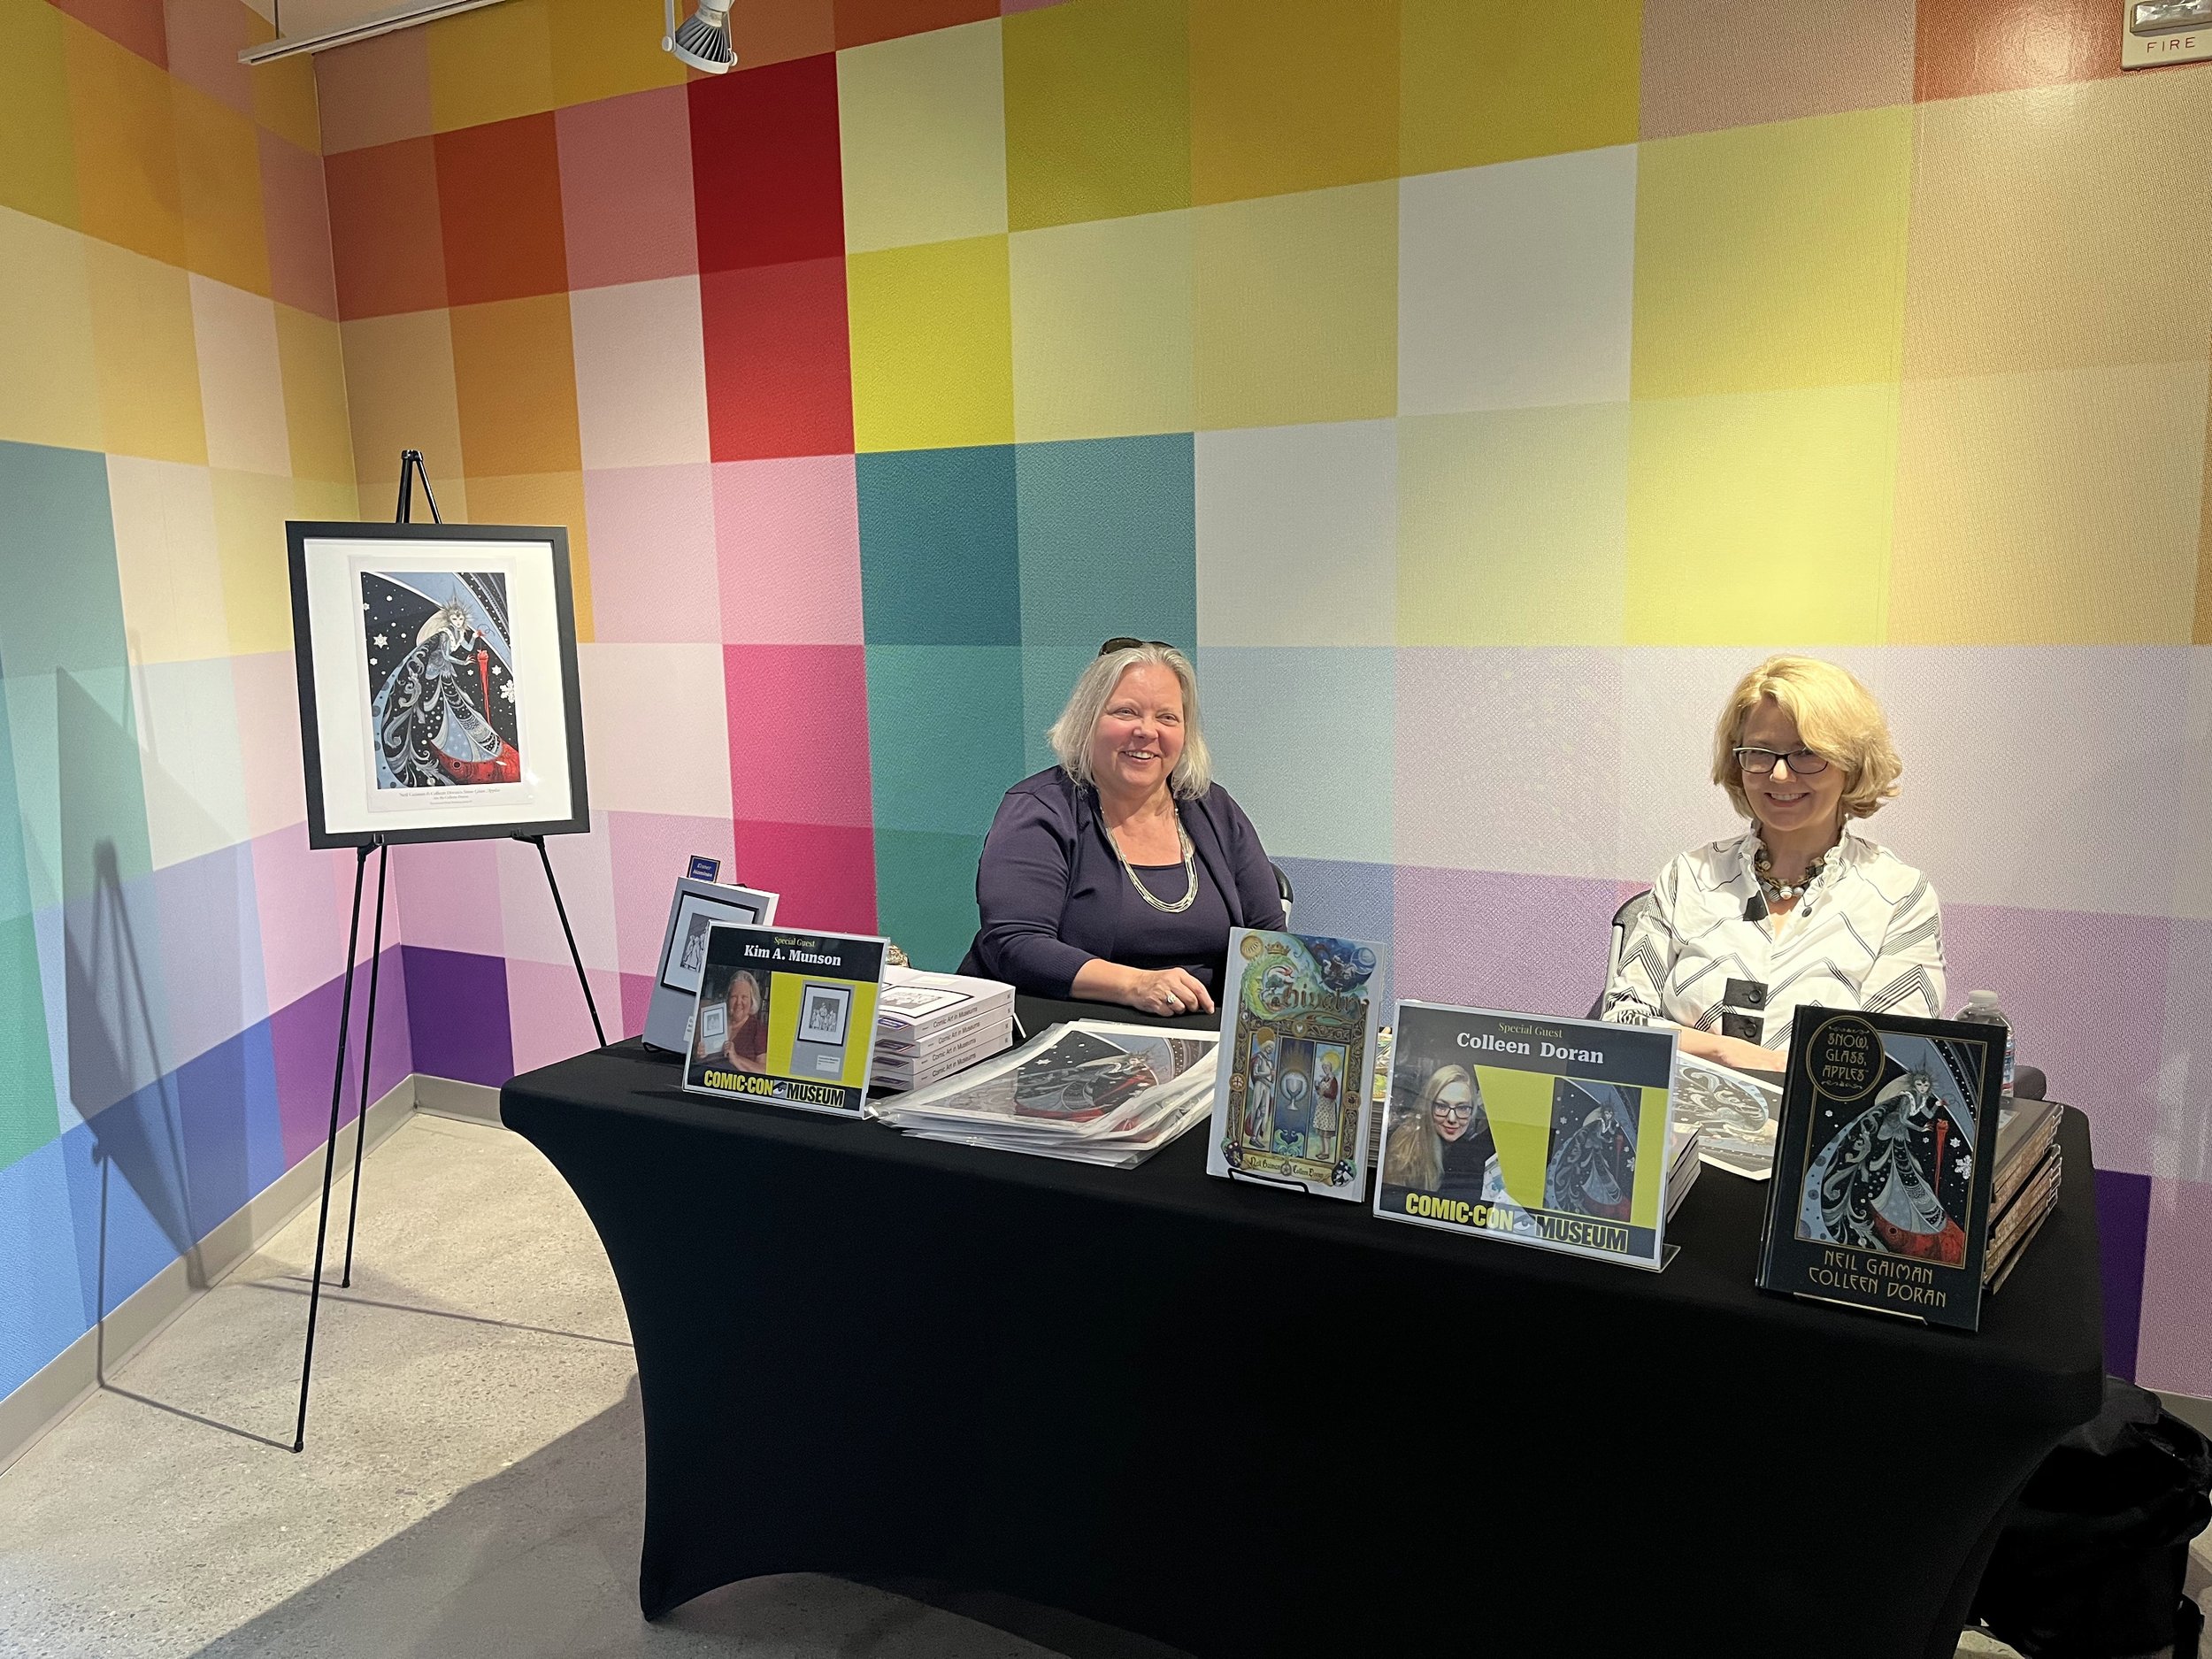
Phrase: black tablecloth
(1246, 1422)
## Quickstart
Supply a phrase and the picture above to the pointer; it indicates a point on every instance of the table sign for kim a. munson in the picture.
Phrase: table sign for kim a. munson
(785, 1018)
(1533, 1131)
(1880, 1197)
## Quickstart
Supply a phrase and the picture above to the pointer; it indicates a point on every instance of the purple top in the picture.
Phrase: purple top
(1053, 895)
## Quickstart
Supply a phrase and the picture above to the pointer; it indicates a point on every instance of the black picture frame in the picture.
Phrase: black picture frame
(301, 537)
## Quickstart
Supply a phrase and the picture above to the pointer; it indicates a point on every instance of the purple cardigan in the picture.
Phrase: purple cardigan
(1050, 883)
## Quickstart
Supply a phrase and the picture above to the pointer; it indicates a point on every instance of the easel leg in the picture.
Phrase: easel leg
(330, 1147)
(575, 956)
(368, 1055)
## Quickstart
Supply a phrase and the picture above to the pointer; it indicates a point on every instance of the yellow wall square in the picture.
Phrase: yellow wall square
(311, 357)
(251, 509)
(1760, 516)
(1772, 257)
(922, 127)
(218, 168)
(601, 48)
(149, 368)
(514, 375)
(241, 388)
(2063, 228)
(166, 560)
(2057, 507)
(1097, 111)
(1296, 308)
(1491, 81)
(1102, 329)
(123, 122)
(400, 396)
(932, 347)
(284, 98)
(541, 498)
(491, 64)
(50, 382)
(1292, 95)
(1513, 526)
(39, 173)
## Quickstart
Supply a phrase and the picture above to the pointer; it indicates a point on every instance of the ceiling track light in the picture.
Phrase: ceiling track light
(705, 40)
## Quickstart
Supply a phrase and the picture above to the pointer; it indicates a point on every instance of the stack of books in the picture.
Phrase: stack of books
(2025, 1191)
(930, 1026)
(1092, 1092)
(1685, 1143)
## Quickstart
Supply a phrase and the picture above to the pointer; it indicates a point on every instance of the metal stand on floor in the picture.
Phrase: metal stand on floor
(411, 466)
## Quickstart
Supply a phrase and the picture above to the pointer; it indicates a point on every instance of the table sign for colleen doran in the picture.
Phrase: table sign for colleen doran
(786, 1017)
(1881, 1193)
(1550, 1132)
(1297, 1051)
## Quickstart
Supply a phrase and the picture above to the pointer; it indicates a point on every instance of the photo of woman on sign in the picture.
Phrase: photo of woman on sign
(733, 1024)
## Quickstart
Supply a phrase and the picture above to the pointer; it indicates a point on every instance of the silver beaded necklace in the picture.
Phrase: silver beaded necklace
(1190, 872)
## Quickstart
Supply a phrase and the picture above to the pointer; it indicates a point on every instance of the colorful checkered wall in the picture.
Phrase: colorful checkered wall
(171, 389)
(1478, 403)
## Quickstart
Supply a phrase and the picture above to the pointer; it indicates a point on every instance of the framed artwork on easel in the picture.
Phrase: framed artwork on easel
(437, 682)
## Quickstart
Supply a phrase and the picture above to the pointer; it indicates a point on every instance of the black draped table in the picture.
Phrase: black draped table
(1245, 1422)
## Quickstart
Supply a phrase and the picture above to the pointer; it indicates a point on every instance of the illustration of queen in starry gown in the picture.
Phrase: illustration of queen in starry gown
(440, 708)
(1870, 1185)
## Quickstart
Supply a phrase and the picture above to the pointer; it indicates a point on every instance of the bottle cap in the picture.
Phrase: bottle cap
(1977, 999)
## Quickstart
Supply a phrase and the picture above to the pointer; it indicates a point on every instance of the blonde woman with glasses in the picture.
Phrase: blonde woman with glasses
(1802, 908)
(1115, 875)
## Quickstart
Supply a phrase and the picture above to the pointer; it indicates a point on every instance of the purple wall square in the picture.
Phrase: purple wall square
(304, 1035)
(458, 1001)
(1484, 938)
(2124, 1220)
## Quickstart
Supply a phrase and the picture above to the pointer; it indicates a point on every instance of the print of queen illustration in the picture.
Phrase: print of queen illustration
(441, 678)
(1882, 1183)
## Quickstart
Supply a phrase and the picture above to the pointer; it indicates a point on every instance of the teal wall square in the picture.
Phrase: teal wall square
(1304, 737)
(1108, 541)
(944, 735)
(1049, 674)
(926, 895)
(938, 563)
(64, 601)
(28, 1115)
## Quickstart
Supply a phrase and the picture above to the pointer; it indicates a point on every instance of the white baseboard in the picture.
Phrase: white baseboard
(71, 1377)
(443, 1097)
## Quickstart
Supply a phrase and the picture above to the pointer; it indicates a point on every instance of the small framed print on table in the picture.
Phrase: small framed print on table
(696, 907)
(437, 681)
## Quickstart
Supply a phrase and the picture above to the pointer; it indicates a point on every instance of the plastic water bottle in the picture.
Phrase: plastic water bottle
(1981, 1009)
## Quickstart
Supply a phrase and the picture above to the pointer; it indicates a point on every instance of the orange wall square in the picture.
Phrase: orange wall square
(140, 26)
(861, 21)
(219, 170)
(499, 200)
(385, 237)
(374, 92)
(514, 370)
(1970, 46)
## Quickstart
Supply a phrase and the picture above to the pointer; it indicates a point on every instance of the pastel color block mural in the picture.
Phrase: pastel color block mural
(1476, 412)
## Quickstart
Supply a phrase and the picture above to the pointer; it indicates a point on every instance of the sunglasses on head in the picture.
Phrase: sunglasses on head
(1125, 642)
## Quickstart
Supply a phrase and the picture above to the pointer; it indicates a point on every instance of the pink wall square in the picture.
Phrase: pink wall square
(826, 874)
(265, 688)
(1464, 937)
(545, 1013)
(626, 187)
(641, 373)
(450, 896)
(207, 951)
(653, 563)
(788, 535)
(637, 1002)
(302, 898)
(584, 866)
(296, 211)
(650, 851)
(2175, 1351)
(653, 719)
(376, 92)
(798, 721)
(206, 37)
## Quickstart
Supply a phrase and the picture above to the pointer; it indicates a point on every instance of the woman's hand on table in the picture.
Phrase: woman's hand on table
(1164, 992)
(1728, 1051)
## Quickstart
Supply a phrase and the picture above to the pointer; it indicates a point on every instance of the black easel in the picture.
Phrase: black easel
(411, 467)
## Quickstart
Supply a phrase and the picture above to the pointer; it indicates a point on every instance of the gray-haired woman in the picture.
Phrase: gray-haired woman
(1115, 876)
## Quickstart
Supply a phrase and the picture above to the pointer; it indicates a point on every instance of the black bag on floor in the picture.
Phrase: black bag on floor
(2092, 1565)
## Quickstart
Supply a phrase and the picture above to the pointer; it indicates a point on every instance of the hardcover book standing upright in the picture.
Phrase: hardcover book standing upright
(1880, 1198)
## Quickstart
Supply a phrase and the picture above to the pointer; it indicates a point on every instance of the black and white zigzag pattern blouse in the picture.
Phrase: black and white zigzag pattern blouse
(1868, 935)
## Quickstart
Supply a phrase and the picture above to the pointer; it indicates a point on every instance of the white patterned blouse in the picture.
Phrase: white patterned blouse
(1868, 935)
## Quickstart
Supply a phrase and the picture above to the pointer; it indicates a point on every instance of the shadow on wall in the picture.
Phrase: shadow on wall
(542, 1558)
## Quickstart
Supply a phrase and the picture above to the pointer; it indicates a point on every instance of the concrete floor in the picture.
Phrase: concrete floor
(473, 1480)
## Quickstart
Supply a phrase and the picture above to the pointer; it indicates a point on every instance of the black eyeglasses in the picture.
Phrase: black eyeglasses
(1124, 642)
(1759, 762)
(1449, 1108)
